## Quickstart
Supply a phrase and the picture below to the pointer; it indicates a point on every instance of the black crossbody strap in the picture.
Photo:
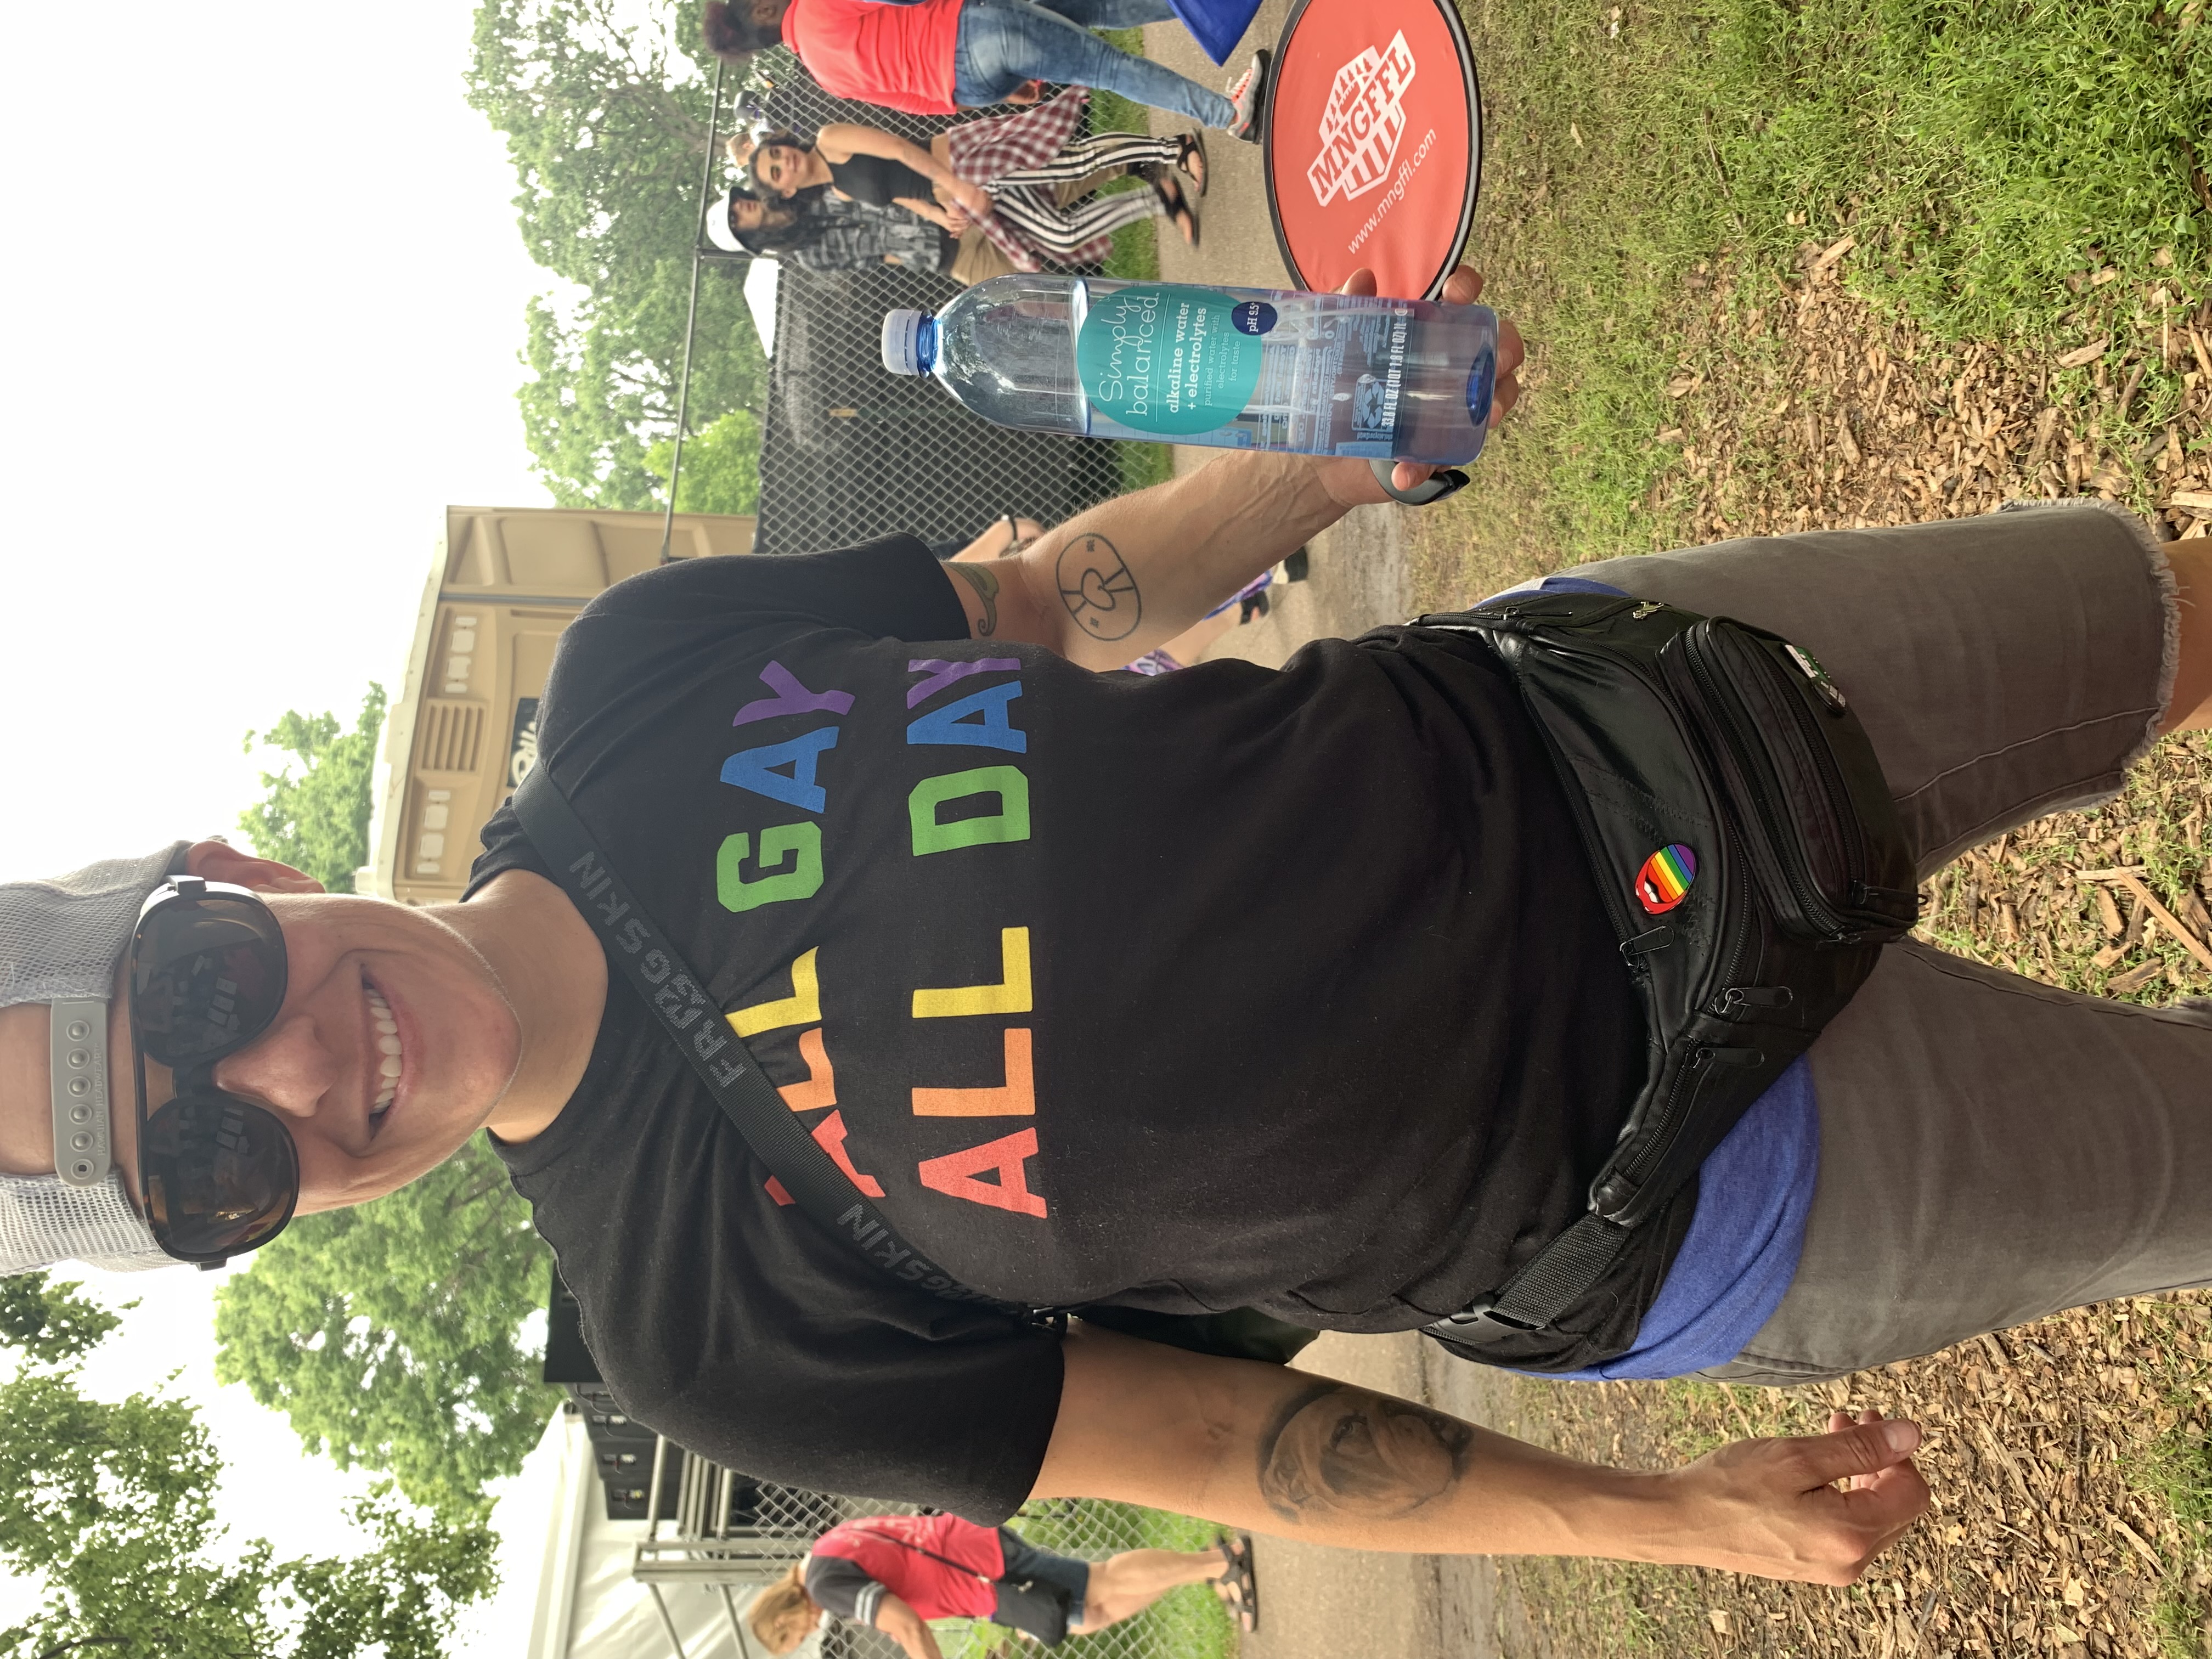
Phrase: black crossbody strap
(946, 1560)
(677, 995)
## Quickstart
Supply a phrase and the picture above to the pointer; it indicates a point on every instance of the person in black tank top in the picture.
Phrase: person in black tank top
(880, 181)
(866, 164)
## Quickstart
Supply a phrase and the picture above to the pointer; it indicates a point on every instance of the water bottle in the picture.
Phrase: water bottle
(1233, 368)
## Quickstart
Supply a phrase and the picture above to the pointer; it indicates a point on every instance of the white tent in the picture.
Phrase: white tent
(588, 1605)
(759, 299)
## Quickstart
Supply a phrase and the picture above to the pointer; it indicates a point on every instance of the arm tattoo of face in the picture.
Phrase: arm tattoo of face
(986, 589)
(1098, 589)
(1334, 1451)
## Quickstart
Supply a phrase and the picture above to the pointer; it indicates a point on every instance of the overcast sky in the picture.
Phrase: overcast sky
(264, 299)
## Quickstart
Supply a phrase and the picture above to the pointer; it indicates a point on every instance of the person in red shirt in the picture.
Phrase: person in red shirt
(939, 57)
(896, 1572)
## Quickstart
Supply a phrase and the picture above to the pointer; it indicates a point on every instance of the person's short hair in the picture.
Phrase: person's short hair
(781, 1615)
(733, 33)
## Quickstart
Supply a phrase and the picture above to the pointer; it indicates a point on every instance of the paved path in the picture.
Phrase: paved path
(1359, 579)
(1318, 1603)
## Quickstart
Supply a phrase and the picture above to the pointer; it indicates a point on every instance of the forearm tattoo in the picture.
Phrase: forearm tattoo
(1336, 1450)
(986, 589)
(1098, 589)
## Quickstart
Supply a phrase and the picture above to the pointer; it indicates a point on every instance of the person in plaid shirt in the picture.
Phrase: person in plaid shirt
(1002, 176)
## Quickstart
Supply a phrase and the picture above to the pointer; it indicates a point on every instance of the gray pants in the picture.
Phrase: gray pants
(1992, 1150)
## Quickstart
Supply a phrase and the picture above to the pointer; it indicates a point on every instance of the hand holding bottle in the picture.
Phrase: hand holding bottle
(1351, 374)
(1353, 483)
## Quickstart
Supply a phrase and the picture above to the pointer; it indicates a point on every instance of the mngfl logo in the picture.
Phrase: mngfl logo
(1363, 121)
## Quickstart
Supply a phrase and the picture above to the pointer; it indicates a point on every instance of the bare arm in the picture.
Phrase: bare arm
(844, 140)
(929, 210)
(904, 1625)
(1272, 1450)
(1134, 572)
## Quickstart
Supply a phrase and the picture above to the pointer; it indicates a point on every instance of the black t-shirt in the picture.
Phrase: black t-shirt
(1232, 987)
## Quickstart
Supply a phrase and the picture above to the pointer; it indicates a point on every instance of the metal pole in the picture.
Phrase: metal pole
(736, 1628)
(691, 316)
(668, 1623)
(652, 1497)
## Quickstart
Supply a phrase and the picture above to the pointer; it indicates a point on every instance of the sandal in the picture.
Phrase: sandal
(1016, 542)
(1190, 156)
(1237, 1586)
(1176, 206)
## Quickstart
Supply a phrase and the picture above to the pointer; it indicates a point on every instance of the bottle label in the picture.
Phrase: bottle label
(1163, 357)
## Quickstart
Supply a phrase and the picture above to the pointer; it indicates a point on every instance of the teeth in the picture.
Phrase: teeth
(387, 1045)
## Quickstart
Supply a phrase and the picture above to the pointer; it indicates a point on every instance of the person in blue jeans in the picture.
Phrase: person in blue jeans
(1004, 42)
(939, 57)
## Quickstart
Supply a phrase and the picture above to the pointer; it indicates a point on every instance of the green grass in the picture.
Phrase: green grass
(1136, 254)
(1981, 151)
(1986, 149)
(2178, 1472)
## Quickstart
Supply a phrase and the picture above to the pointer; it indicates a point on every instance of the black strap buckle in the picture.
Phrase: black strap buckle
(1478, 1323)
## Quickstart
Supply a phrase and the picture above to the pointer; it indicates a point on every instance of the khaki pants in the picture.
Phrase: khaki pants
(980, 257)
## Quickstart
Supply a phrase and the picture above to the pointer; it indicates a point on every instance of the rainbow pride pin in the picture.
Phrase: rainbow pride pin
(1666, 877)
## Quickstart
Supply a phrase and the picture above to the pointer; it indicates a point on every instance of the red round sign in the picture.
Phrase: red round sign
(1374, 144)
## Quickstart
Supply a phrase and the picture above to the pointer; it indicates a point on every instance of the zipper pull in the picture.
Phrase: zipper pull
(1658, 939)
(1752, 996)
(1644, 610)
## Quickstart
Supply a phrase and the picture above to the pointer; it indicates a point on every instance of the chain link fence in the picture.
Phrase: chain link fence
(848, 451)
(726, 1533)
(1184, 1624)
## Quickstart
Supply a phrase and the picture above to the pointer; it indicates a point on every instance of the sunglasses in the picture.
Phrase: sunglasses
(218, 1176)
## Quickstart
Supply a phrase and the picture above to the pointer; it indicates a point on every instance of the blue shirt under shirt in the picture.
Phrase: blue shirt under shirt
(1754, 1192)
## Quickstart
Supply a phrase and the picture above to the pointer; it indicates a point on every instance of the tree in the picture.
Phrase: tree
(721, 466)
(50, 1323)
(112, 1507)
(607, 125)
(316, 818)
(391, 1334)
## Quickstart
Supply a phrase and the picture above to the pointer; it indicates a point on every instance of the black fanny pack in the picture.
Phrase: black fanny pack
(1750, 859)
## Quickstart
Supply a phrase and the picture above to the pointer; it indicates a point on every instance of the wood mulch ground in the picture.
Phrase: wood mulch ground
(2069, 1457)
(1803, 408)
(2050, 1533)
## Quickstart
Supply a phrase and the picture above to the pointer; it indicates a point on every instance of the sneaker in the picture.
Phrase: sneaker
(1249, 95)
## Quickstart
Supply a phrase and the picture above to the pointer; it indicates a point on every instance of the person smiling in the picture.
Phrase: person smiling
(319, 1011)
(979, 908)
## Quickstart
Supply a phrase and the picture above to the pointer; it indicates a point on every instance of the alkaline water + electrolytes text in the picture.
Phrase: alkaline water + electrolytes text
(1234, 368)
